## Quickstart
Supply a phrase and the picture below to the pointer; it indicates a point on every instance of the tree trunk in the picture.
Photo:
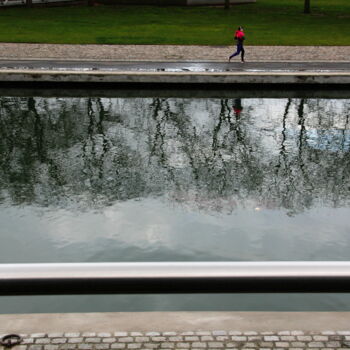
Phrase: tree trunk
(227, 4)
(307, 6)
(29, 3)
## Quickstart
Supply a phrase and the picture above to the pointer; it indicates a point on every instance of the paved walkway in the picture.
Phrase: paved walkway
(200, 340)
(173, 52)
(181, 330)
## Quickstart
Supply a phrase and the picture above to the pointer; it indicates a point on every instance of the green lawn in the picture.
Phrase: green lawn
(267, 22)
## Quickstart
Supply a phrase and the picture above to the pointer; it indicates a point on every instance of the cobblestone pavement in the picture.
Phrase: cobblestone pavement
(173, 52)
(233, 340)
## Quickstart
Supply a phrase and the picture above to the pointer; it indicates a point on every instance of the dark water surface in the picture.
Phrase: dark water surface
(174, 179)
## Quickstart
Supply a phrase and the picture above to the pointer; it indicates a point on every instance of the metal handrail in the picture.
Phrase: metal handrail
(174, 277)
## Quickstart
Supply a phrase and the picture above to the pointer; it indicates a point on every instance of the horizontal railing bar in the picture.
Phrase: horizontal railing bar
(174, 277)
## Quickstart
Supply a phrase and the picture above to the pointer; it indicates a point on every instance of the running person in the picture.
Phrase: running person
(239, 36)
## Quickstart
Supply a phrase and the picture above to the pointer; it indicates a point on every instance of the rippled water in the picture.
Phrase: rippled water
(174, 179)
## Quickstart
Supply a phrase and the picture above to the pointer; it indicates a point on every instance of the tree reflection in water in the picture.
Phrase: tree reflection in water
(209, 154)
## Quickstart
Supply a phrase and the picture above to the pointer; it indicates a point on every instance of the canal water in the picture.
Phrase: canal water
(93, 179)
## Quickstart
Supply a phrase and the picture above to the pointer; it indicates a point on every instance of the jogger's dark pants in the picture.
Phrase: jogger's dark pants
(240, 50)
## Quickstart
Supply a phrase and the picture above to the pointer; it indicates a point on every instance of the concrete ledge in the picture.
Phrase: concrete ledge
(176, 77)
(175, 321)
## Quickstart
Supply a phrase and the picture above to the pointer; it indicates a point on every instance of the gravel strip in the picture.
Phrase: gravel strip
(173, 52)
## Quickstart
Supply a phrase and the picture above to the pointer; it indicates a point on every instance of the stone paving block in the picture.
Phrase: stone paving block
(298, 344)
(271, 338)
(304, 337)
(51, 347)
(28, 341)
(142, 339)
(104, 335)
(153, 334)
(343, 332)
(72, 335)
(287, 337)
(167, 334)
(118, 346)
(168, 345)
(136, 334)
(222, 337)
(199, 345)
(134, 346)
(67, 346)
(151, 345)
(42, 341)
(239, 338)
(120, 334)
(55, 335)
(215, 345)
(183, 345)
(203, 333)
(58, 340)
(336, 337)
(109, 340)
(266, 344)
(255, 338)
(328, 332)
(315, 344)
(320, 337)
(284, 333)
(94, 340)
(297, 333)
(85, 346)
(176, 338)
(102, 346)
(250, 345)
(89, 334)
(207, 338)
(38, 335)
(250, 333)
(282, 344)
(219, 333)
(192, 338)
(125, 340)
(235, 333)
(75, 340)
(333, 344)
(188, 333)
(157, 339)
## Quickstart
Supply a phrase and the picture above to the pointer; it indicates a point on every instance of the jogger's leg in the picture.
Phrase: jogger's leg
(239, 48)
(242, 54)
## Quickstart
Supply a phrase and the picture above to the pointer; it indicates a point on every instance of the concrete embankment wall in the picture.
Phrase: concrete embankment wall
(305, 78)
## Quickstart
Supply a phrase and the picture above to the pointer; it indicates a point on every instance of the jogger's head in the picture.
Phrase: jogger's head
(240, 28)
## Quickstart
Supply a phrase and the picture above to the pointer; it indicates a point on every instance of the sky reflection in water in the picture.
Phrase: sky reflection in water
(170, 179)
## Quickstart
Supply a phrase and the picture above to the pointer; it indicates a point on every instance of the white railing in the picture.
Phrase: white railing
(174, 277)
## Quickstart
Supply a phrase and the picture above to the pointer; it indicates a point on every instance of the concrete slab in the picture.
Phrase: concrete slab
(175, 321)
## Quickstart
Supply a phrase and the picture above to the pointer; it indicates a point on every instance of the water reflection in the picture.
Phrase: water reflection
(209, 154)
(147, 179)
